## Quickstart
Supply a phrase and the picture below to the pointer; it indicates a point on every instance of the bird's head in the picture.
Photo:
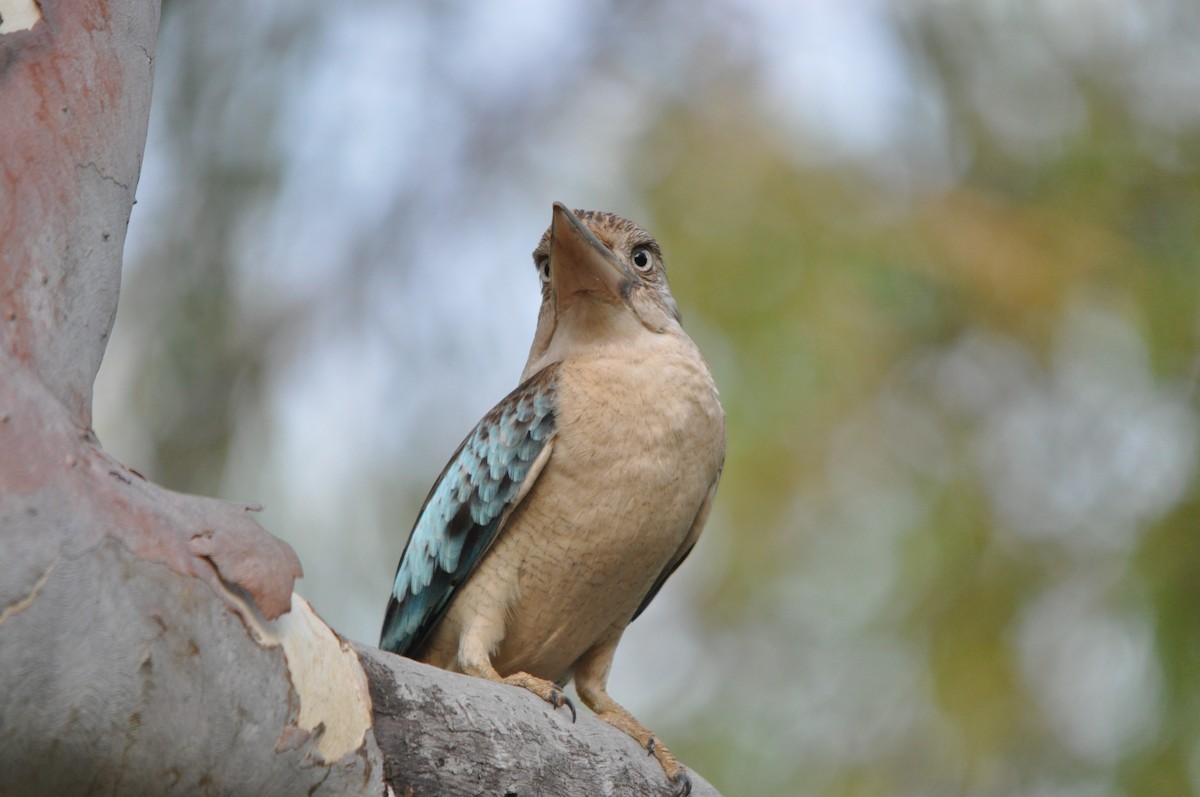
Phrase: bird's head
(603, 281)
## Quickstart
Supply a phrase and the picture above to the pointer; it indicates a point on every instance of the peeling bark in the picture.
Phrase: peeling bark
(150, 641)
(122, 677)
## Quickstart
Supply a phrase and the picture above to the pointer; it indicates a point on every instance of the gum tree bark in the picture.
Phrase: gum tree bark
(150, 641)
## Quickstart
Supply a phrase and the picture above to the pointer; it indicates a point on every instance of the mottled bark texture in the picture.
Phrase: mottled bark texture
(150, 642)
(445, 733)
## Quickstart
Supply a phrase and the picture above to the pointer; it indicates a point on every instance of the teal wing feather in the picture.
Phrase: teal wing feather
(466, 508)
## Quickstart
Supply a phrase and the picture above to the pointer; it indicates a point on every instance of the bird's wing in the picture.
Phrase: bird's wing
(689, 542)
(489, 474)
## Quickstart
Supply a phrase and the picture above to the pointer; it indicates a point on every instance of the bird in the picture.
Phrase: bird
(566, 508)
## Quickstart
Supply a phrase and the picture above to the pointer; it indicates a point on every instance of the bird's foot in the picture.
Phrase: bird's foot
(676, 773)
(549, 691)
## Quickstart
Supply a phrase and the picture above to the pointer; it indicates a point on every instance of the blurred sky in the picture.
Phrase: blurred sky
(942, 258)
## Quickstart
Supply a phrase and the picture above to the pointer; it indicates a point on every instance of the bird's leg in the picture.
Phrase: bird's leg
(591, 679)
(475, 658)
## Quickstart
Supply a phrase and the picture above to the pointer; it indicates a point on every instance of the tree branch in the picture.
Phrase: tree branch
(445, 733)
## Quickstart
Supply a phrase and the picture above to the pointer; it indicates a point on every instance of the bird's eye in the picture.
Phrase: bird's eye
(643, 259)
(543, 266)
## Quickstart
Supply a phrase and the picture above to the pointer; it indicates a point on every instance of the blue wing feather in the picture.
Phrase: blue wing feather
(463, 513)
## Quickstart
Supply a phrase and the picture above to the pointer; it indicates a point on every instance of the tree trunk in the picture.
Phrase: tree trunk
(150, 641)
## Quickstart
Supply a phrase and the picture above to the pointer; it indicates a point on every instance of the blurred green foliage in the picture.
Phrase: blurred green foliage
(834, 291)
(954, 549)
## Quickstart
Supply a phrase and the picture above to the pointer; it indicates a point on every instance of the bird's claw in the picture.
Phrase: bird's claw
(549, 691)
(682, 783)
(679, 777)
(558, 699)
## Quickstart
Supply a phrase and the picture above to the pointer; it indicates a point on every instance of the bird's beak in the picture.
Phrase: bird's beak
(580, 263)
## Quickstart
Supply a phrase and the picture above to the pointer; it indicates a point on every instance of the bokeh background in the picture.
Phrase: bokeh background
(944, 259)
